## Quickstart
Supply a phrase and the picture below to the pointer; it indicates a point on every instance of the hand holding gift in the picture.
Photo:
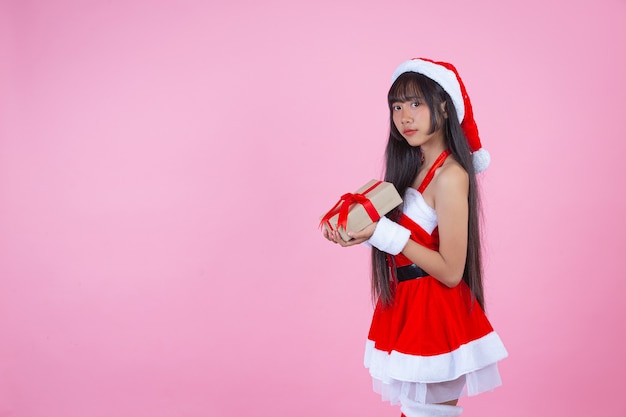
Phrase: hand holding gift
(354, 212)
(356, 238)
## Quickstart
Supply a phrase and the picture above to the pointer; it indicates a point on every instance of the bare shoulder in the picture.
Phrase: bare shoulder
(451, 178)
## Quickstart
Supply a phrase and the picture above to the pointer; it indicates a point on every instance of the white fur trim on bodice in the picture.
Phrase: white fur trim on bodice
(416, 208)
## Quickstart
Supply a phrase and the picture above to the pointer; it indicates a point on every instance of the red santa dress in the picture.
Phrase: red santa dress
(434, 343)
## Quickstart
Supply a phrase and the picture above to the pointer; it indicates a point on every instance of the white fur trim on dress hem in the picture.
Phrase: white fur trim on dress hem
(434, 378)
(467, 358)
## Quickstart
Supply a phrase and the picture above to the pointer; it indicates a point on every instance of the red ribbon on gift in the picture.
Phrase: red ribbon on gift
(346, 201)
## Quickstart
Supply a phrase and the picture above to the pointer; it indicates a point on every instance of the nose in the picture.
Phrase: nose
(407, 117)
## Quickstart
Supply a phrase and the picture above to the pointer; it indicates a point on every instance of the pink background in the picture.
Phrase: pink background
(163, 165)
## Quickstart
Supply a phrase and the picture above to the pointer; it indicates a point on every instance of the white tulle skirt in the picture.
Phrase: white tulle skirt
(400, 378)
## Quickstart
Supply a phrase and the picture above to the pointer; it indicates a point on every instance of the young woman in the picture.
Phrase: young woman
(430, 341)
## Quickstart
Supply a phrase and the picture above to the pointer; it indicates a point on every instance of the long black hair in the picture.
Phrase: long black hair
(402, 163)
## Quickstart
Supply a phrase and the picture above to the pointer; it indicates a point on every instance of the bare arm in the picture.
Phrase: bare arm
(451, 189)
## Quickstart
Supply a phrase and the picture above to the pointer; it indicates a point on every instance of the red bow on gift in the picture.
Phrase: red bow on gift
(345, 202)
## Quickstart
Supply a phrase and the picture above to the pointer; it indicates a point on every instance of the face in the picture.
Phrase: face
(412, 119)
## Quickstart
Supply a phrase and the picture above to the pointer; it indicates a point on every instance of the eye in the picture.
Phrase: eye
(415, 104)
(396, 107)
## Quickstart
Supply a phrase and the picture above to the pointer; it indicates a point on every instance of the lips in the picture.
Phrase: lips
(409, 132)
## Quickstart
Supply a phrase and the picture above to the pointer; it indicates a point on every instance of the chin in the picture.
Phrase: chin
(413, 144)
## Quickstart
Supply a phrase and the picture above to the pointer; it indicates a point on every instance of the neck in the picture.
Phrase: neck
(433, 147)
(431, 153)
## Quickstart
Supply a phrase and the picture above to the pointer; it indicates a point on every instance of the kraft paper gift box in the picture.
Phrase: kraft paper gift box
(355, 211)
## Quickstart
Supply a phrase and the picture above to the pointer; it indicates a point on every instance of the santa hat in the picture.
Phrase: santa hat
(448, 78)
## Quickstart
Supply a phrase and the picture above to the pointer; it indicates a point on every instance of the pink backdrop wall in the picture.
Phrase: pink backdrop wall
(163, 165)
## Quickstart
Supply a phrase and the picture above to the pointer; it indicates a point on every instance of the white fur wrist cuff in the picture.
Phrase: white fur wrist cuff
(389, 236)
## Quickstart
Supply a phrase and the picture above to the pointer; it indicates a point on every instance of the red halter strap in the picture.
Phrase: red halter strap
(431, 172)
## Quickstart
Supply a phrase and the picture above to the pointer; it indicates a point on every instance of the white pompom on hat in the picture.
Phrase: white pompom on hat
(448, 78)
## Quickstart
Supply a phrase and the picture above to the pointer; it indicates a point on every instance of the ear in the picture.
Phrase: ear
(443, 109)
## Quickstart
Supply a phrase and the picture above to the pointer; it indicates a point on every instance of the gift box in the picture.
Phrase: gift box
(355, 211)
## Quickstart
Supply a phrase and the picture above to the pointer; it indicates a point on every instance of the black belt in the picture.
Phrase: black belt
(405, 273)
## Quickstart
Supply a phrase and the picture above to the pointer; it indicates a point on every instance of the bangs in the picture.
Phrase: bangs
(406, 88)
